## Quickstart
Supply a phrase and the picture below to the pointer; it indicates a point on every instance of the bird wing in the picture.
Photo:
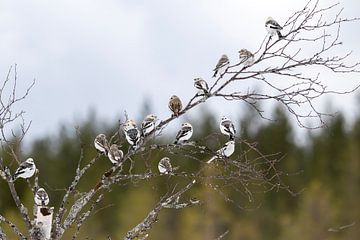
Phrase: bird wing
(228, 125)
(222, 62)
(146, 124)
(274, 25)
(183, 131)
(206, 85)
(175, 105)
(22, 167)
(101, 141)
(198, 84)
(118, 154)
(246, 55)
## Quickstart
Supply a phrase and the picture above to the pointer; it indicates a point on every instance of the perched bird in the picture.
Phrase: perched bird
(164, 166)
(273, 27)
(175, 105)
(115, 155)
(133, 136)
(41, 197)
(226, 151)
(227, 127)
(148, 124)
(184, 133)
(221, 66)
(132, 133)
(25, 170)
(202, 85)
(246, 57)
(101, 144)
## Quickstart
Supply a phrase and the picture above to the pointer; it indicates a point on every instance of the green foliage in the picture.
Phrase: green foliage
(327, 169)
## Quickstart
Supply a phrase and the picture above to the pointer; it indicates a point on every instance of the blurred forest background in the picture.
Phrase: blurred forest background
(325, 172)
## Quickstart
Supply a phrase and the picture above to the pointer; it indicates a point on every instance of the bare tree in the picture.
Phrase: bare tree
(289, 70)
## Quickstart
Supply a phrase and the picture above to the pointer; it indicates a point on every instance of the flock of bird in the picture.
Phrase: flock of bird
(135, 136)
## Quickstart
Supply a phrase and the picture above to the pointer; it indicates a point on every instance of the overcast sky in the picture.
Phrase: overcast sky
(112, 55)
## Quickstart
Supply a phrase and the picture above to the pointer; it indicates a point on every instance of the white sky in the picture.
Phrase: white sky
(111, 55)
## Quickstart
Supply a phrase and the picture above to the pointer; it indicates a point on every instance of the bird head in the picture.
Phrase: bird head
(224, 56)
(152, 117)
(130, 123)
(114, 147)
(186, 125)
(30, 160)
(102, 136)
(197, 79)
(173, 97)
(41, 190)
(224, 118)
(244, 52)
(269, 19)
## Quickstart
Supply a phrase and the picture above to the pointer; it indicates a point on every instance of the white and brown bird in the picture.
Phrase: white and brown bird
(132, 134)
(164, 166)
(184, 134)
(41, 197)
(226, 151)
(202, 85)
(227, 127)
(101, 144)
(148, 124)
(246, 57)
(25, 170)
(273, 27)
(175, 105)
(115, 154)
(221, 66)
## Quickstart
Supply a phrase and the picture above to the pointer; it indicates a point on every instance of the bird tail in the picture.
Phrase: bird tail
(134, 147)
(215, 73)
(232, 137)
(211, 159)
(279, 34)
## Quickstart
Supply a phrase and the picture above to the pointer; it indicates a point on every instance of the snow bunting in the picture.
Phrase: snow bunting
(115, 155)
(246, 57)
(227, 127)
(175, 105)
(164, 166)
(41, 197)
(148, 124)
(132, 135)
(101, 144)
(226, 151)
(221, 66)
(273, 27)
(202, 85)
(25, 170)
(184, 133)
